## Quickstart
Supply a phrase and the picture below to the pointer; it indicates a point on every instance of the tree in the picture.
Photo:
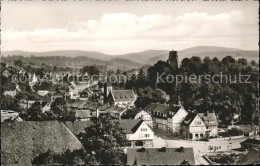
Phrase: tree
(61, 111)
(91, 70)
(18, 63)
(149, 95)
(76, 157)
(104, 141)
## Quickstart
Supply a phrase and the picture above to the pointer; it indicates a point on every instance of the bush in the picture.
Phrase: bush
(234, 132)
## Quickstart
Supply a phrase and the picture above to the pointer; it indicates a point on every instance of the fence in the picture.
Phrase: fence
(227, 138)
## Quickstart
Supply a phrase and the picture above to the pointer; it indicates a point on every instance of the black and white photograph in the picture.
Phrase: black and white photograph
(129, 82)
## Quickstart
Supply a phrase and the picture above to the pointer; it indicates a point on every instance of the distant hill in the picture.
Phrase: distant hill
(67, 53)
(136, 60)
(209, 51)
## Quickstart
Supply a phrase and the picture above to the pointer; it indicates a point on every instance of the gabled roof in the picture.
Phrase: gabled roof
(123, 95)
(131, 113)
(206, 117)
(130, 125)
(156, 156)
(189, 118)
(21, 142)
(251, 158)
(38, 105)
(153, 107)
(77, 104)
(36, 96)
(251, 141)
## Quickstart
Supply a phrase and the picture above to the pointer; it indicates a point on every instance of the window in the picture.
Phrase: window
(147, 135)
(141, 135)
(143, 129)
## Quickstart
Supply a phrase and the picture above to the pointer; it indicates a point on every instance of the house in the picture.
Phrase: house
(250, 144)
(6, 72)
(35, 97)
(84, 109)
(9, 115)
(211, 122)
(160, 156)
(59, 93)
(116, 112)
(194, 127)
(137, 113)
(167, 118)
(21, 142)
(86, 94)
(138, 133)
(39, 105)
(11, 93)
(122, 98)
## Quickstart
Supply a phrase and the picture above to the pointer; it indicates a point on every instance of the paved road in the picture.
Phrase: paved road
(200, 147)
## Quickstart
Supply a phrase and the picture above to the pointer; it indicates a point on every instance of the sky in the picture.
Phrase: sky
(120, 27)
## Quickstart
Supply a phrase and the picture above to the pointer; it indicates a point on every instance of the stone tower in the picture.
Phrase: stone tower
(173, 59)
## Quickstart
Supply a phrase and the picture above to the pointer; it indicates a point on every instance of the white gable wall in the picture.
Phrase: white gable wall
(144, 132)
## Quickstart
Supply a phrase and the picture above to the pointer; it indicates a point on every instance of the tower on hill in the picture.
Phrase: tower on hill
(173, 59)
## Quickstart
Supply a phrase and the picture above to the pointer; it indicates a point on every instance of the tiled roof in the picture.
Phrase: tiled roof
(36, 96)
(153, 107)
(38, 105)
(131, 113)
(130, 125)
(251, 141)
(156, 156)
(77, 127)
(123, 95)
(78, 103)
(21, 142)
(251, 158)
(206, 117)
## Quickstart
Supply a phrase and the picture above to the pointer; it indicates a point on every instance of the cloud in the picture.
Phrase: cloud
(128, 28)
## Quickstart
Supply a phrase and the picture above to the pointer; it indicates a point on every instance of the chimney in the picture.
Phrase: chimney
(141, 150)
(162, 149)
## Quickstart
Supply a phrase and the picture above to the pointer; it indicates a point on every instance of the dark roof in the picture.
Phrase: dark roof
(36, 96)
(189, 118)
(38, 105)
(123, 95)
(209, 117)
(131, 113)
(130, 125)
(155, 156)
(251, 141)
(21, 142)
(153, 107)
(77, 127)
(251, 158)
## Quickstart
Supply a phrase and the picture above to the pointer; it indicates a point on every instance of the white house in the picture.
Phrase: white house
(136, 113)
(194, 127)
(211, 122)
(167, 118)
(138, 133)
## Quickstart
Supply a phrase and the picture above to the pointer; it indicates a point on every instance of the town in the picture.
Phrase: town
(137, 122)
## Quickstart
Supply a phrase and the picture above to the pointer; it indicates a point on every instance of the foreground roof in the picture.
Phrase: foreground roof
(21, 142)
(156, 156)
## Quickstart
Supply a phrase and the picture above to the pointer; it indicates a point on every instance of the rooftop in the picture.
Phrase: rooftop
(130, 125)
(23, 141)
(156, 156)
